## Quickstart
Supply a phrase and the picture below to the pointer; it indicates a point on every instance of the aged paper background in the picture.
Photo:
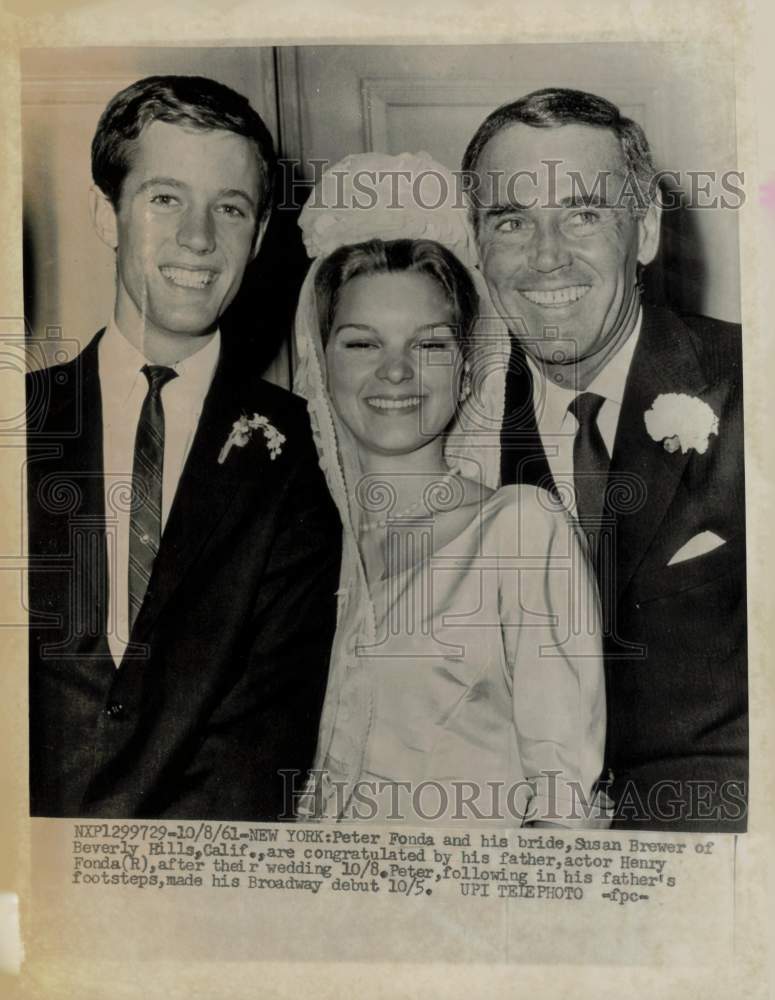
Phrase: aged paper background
(218, 954)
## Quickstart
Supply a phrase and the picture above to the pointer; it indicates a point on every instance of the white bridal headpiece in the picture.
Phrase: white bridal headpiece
(375, 196)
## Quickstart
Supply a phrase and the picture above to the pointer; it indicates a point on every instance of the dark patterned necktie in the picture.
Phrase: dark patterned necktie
(145, 516)
(590, 462)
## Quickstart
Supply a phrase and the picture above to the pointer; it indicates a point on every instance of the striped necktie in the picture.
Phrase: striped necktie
(145, 515)
(590, 463)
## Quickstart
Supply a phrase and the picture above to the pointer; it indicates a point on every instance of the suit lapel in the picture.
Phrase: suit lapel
(93, 540)
(204, 494)
(523, 459)
(74, 422)
(69, 449)
(643, 477)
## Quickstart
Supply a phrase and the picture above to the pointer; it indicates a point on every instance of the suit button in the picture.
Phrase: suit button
(114, 710)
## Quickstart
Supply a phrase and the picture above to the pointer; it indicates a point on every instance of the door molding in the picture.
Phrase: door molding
(641, 101)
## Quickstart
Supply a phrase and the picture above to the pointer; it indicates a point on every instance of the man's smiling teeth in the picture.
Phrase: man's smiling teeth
(186, 278)
(555, 296)
(382, 403)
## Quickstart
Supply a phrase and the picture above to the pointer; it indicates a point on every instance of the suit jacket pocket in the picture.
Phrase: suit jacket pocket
(692, 611)
(663, 581)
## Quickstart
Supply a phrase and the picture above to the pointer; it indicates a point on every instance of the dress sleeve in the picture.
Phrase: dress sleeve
(550, 619)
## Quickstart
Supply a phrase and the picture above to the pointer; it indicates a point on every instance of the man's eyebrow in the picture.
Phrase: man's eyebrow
(237, 193)
(160, 181)
(584, 200)
(578, 200)
(496, 211)
(173, 182)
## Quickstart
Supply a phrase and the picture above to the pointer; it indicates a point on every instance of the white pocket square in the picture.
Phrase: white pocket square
(706, 541)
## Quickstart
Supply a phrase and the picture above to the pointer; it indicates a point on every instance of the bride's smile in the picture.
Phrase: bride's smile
(394, 404)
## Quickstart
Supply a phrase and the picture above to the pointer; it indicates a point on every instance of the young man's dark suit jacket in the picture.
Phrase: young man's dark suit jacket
(674, 635)
(232, 643)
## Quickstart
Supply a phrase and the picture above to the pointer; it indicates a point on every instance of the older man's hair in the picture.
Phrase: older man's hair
(193, 102)
(556, 106)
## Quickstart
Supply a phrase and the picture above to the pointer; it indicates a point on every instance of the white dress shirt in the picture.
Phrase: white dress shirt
(556, 424)
(123, 388)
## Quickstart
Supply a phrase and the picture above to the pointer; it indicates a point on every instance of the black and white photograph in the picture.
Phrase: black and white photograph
(494, 570)
(384, 509)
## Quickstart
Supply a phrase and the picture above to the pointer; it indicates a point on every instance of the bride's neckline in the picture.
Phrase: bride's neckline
(437, 485)
(479, 506)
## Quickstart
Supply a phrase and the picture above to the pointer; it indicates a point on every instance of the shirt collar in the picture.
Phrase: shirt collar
(551, 401)
(120, 365)
(610, 382)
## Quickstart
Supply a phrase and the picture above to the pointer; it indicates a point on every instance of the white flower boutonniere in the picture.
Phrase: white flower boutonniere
(681, 421)
(242, 431)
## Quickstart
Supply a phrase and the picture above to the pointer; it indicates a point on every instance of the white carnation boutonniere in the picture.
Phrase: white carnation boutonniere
(242, 432)
(681, 421)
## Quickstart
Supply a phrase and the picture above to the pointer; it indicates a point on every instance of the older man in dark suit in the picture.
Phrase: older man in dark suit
(636, 420)
(184, 551)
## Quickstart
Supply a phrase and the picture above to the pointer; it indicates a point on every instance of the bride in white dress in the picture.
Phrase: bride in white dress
(466, 681)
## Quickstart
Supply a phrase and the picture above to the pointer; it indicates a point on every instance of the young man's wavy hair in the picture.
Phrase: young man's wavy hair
(193, 102)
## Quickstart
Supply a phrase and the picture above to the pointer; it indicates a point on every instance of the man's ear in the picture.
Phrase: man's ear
(648, 233)
(103, 217)
(259, 237)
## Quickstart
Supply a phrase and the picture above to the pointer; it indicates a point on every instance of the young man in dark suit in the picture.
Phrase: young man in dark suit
(636, 419)
(184, 551)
